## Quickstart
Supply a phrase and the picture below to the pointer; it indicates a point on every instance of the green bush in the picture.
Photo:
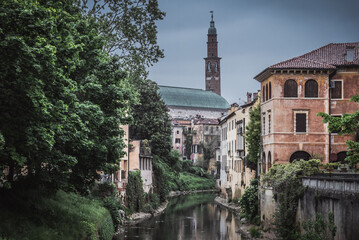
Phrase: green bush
(190, 182)
(33, 214)
(249, 203)
(286, 182)
(254, 232)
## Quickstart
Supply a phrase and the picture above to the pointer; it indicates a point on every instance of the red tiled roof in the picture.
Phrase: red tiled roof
(327, 57)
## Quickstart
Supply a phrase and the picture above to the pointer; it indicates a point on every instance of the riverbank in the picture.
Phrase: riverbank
(244, 227)
(139, 217)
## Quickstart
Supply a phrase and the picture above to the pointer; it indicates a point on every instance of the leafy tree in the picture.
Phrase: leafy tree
(151, 120)
(129, 29)
(253, 136)
(62, 98)
(347, 124)
(134, 191)
(188, 143)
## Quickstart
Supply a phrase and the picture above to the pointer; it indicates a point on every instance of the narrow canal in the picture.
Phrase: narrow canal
(193, 216)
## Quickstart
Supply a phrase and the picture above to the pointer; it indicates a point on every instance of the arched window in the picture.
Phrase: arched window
(264, 163)
(311, 89)
(300, 155)
(264, 94)
(269, 160)
(267, 92)
(209, 67)
(215, 66)
(270, 90)
(290, 88)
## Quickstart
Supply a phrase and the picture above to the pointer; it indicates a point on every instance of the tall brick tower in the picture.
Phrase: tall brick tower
(212, 61)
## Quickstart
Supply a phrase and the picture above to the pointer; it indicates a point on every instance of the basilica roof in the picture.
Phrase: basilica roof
(191, 97)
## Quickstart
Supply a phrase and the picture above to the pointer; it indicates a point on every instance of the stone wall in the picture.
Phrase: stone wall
(337, 193)
(267, 206)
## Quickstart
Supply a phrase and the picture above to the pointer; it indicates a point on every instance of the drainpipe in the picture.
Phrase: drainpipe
(330, 112)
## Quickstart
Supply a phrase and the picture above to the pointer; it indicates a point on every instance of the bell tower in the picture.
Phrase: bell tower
(212, 61)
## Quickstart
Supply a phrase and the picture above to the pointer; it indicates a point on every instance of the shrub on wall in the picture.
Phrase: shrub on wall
(249, 203)
(286, 182)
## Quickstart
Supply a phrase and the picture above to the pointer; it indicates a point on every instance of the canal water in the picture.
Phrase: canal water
(188, 217)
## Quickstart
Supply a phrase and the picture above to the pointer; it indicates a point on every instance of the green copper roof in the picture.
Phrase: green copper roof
(190, 97)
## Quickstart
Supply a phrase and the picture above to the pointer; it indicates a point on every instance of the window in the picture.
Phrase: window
(269, 123)
(311, 89)
(264, 94)
(215, 66)
(209, 67)
(300, 122)
(264, 126)
(269, 160)
(178, 140)
(336, 90)
(267, 92)
(349, 56)
(290, 88)
(264, 163)
(270, 90)
(177, 132)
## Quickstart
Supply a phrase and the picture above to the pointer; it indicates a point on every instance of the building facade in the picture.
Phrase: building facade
(190, 108)
(234, 174)
(294, 91)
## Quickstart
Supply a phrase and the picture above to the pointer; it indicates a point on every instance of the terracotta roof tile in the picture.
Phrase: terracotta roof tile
(329, 56)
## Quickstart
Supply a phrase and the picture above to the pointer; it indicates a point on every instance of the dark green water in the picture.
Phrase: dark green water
(188, 217)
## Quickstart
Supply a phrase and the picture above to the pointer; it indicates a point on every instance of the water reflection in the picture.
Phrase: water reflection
(188, 217)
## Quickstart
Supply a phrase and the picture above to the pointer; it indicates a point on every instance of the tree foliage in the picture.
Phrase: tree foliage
(346, 124)
(151, 120)
(62, 98)
(134, 191)
(249, 203)
(129, 27)
(253, 135)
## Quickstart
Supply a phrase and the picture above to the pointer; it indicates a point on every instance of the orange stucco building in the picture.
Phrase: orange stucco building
(294, 91)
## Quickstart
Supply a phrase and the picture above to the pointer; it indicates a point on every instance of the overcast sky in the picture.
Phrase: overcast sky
(252, 35)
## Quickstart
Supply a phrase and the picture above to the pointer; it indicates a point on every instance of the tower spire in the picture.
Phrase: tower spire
(212, 61)
(212, 29)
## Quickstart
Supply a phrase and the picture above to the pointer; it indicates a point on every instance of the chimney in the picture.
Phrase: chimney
(249, 97)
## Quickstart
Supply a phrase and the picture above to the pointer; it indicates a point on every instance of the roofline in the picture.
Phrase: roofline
(178, 106)
(260, 78)
(266, 73)
(184, 87)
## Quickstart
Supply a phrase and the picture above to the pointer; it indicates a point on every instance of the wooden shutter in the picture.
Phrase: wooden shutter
(301, 122)
(311, 89)
(290, 88)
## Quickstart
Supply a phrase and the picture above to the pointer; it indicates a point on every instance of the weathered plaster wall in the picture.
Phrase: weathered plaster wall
(267, 206)
(336, 194)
